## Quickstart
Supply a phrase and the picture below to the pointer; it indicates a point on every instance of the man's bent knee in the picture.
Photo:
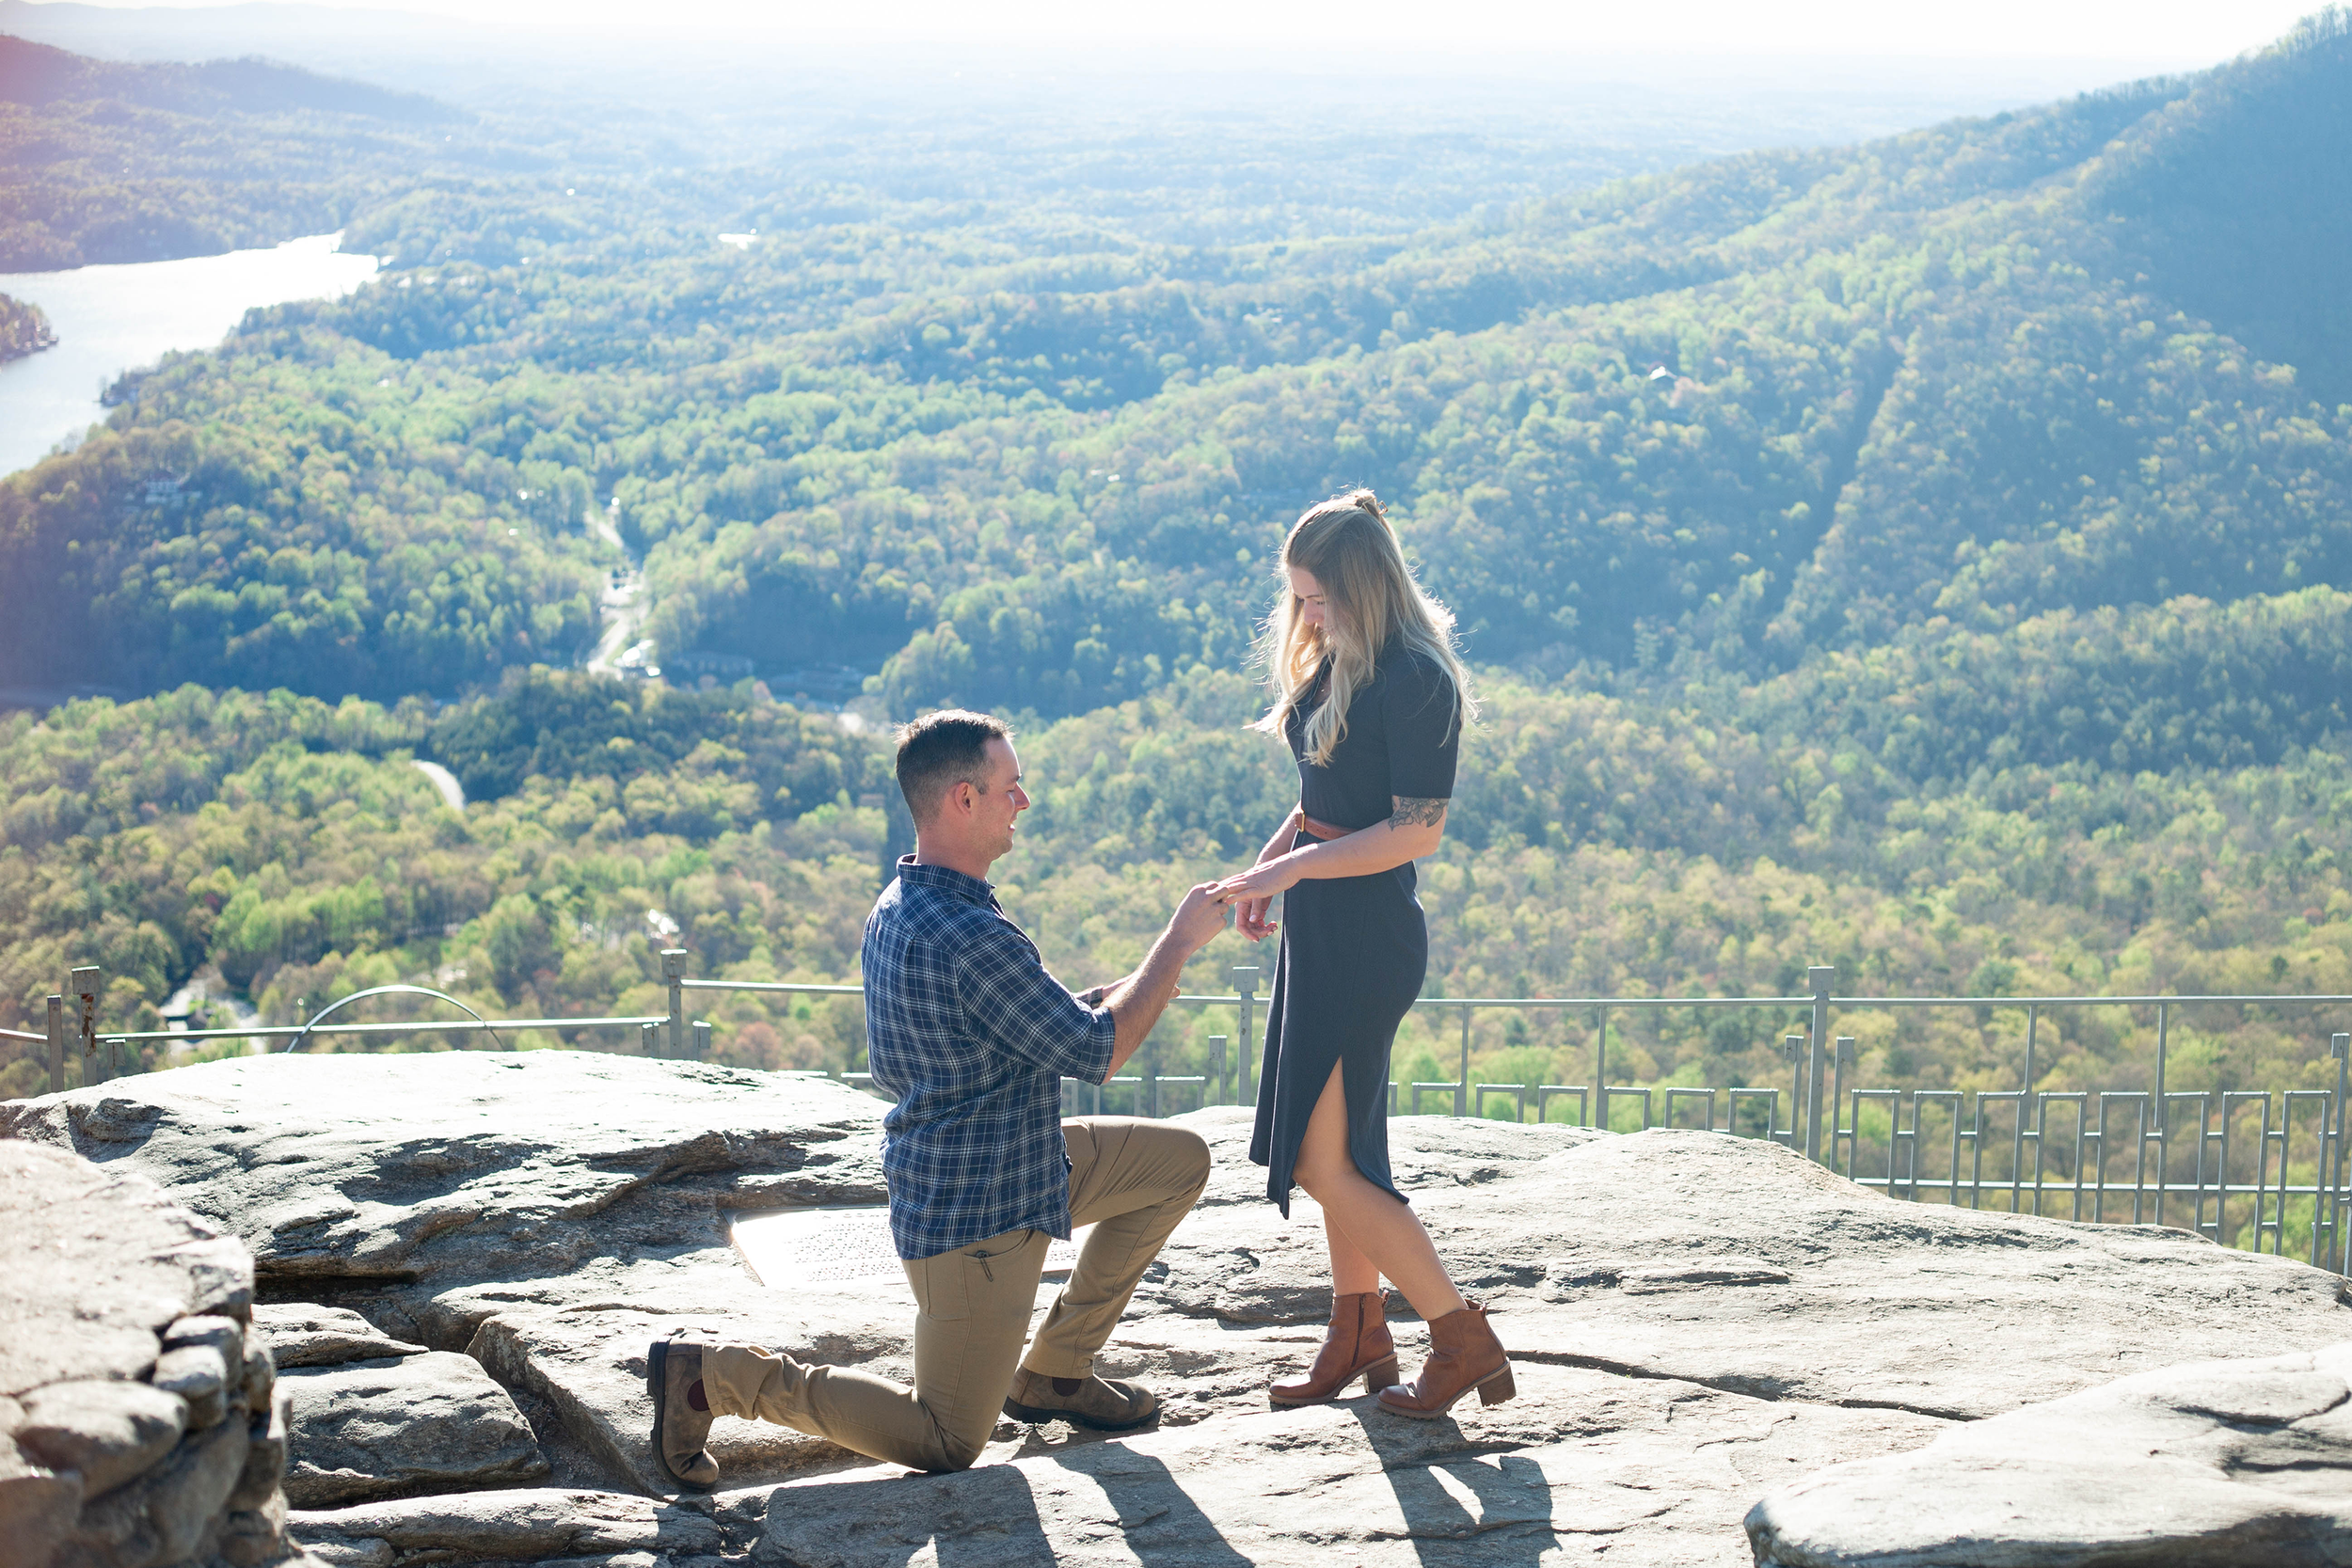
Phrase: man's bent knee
(1197, 1161)
(938, 1451)
(956, 1453)
(1179, 1151)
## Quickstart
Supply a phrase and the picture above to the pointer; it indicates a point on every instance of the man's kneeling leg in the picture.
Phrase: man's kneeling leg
(974, 1306)
(1133, 1180)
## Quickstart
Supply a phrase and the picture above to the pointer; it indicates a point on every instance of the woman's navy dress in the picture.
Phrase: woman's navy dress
(1353, 948)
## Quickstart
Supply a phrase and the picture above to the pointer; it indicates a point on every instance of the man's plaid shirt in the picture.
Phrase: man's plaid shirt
(963, 1024)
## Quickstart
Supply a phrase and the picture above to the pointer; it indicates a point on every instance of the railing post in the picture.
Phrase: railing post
(2026, 1108)
(1843, 1054)
(1462, 1086)
(1151, 1078)
(84, 988)
(1601, 1067)
(2163, 1111)
(1218, 1045)
(674, 971)
(702, 1040)
(1822, 978)
(2332, 1167)
(1792, 1052)
(56, 1044)
(649, 1040)
(1245, 987)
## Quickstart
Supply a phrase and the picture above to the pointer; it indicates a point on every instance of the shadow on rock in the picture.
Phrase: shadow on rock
(1158, 1521)
(1461, 1505)
(1001, 1515)
(983, 1518)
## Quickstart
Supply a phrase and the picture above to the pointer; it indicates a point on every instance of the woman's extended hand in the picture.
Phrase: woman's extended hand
(1253, 890)
(1249, 918)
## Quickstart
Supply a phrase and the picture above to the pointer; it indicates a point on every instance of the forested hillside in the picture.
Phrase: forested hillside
(103, 162)
(1944, 372)
(1898, 813)
(1932, 557)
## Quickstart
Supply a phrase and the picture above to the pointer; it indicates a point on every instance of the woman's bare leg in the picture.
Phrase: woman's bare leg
(1370, 1232)
(1352, 1273)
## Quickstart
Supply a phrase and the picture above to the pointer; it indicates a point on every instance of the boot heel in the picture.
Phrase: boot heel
(1381, 1374)
(1497, 1389)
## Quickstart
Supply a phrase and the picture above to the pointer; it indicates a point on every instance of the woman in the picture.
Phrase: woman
(1371, 696)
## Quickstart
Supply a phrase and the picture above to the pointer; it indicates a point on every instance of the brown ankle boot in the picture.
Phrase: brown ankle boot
(682, 1413)
(1464, 1355)
(1086, 1402)
(1358, 1342)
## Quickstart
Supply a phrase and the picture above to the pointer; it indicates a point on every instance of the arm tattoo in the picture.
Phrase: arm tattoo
(1414, 811)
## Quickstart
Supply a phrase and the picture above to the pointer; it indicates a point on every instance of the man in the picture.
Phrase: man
(970, 1034)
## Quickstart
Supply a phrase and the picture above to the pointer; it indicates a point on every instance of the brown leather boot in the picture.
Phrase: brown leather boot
(682, 1413)
(1086, 1402)
(1464, 1355)
(1356, 1341)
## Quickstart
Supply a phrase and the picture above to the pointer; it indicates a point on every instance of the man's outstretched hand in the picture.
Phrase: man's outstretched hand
(1135, 1001)
(1201, 916)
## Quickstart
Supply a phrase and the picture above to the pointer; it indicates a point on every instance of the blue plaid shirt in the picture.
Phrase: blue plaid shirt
(963, 1025)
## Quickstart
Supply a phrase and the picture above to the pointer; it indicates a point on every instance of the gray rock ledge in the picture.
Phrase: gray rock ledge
(1696, 1320)
(302, 1334)
(2215, 1465)
(385, 1427)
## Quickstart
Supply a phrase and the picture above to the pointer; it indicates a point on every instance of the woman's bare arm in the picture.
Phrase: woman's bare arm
(1414, 829)
(1249, 912)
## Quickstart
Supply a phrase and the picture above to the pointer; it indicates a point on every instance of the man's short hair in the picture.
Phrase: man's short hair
(940, 751)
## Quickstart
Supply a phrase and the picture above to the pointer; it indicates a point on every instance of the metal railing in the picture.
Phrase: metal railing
(2141, 1156)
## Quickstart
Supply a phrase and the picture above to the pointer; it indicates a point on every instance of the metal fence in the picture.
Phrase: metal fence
(2243, 1167)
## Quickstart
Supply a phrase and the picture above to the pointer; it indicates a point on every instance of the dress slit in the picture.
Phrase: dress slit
(1350, 966)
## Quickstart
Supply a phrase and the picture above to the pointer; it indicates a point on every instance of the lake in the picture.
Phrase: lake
(110, 319)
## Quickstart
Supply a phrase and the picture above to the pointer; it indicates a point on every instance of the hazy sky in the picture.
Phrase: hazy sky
(2156, 31)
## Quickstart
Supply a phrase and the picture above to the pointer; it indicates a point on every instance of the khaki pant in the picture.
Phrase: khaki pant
(1131, 1179)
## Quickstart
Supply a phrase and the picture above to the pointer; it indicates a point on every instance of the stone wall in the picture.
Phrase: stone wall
(142, 1428)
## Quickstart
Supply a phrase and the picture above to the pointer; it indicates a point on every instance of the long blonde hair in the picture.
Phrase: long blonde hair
(1370, 601)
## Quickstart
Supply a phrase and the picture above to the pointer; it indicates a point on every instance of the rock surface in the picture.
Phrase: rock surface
(101, 1263)
(396, 1425)
(2216, 1463)
(1711, 1313)
(1582, 1466)
(370, 1417)
(302, 1334)
(135, 1424)
(429, 1170)
(543, 1525)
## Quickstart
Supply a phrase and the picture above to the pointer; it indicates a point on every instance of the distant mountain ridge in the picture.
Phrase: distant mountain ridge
(104, 161)
(39, 76)
(1706, 425)
(2238, 199)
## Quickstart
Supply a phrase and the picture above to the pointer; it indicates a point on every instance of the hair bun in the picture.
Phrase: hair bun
(1363, 499)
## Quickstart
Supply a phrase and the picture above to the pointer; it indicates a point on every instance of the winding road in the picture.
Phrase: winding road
(453, 793)
(621, 602)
